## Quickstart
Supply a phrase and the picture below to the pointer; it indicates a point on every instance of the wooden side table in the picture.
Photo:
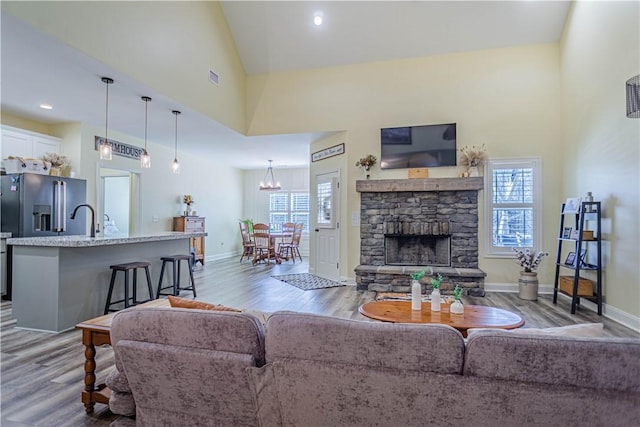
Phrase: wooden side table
(192, 223)
(96, 332)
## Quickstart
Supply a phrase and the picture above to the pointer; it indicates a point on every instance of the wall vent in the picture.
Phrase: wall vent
(214, 77)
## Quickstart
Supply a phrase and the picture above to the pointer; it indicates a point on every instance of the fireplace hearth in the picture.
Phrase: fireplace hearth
(408, 225)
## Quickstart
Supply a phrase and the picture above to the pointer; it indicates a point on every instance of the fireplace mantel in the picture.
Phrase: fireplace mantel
(419, 184)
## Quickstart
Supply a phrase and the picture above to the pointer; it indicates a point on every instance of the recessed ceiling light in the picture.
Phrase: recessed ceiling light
(46, 106)
(317, 18)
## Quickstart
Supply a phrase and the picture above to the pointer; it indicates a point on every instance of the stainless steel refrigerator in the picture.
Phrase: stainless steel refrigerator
(41, 205)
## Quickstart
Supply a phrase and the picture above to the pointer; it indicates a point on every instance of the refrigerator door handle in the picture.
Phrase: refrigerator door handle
(64, 205)
(57, 205)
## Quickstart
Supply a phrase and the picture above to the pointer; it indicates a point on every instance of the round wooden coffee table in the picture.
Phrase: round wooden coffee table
(475, 316)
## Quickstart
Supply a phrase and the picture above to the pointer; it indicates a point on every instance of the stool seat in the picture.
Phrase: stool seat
(175, 286)
(125, 268)
(130, 265)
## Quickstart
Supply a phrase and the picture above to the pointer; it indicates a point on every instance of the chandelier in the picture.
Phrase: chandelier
(269, 183)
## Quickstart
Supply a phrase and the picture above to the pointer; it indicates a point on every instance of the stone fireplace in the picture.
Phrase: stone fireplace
(408, 225)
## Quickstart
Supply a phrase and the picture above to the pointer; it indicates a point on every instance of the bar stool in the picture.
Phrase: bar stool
(125, 268)
(175, 261)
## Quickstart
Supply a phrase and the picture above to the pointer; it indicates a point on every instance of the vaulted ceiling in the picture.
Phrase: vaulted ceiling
(270, 37)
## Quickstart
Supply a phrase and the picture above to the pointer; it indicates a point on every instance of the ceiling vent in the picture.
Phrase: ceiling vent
(214, 77)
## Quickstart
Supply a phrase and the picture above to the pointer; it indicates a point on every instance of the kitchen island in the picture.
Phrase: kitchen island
(59, 282)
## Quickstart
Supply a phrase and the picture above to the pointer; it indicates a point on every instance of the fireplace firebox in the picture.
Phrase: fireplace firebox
(421, 250)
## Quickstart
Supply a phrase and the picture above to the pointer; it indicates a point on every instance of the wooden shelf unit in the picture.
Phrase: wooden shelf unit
(192, 223)
(589, 212)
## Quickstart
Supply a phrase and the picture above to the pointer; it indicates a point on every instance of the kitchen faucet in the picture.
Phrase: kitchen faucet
(94, 229)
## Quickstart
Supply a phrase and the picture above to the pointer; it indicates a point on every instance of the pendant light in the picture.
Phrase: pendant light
(105, 147)
(175, 167)
(271, 183)
(145, 159)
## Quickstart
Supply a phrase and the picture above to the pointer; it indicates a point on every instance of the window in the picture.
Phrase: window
(289, 207)
(513, 205)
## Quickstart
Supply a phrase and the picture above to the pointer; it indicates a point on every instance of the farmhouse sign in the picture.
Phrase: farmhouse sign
(120, 148)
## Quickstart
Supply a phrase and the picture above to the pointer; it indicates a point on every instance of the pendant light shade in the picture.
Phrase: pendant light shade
(269, 183)
(145, 159)
(633, 97)
(105, 147)
(175, 167)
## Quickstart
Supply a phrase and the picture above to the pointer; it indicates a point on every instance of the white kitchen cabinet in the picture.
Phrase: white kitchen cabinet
(16, 144)
(42, 145)
(21, 143)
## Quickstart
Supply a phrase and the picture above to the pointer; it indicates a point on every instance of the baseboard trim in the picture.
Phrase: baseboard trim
(610, 312)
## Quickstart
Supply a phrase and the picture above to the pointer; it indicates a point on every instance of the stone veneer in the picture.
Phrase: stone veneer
(430, 206)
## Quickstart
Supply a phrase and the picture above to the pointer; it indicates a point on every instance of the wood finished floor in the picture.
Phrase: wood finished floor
(42, 373)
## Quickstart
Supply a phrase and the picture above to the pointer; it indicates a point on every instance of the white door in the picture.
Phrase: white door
(327, 226)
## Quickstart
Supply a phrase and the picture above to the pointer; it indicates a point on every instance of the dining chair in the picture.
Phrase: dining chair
(292, 248)
(262, 247)
(247, 243)
(287, 228)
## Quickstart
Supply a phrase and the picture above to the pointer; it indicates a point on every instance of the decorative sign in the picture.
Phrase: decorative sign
(328, 152)
(121, 149)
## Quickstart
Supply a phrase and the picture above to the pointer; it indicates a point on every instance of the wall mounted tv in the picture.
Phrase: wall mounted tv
(418, 146)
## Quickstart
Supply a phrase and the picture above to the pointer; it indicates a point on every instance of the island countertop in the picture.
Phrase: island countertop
(85, 241)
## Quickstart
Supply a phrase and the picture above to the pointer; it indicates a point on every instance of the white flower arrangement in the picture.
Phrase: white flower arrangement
(528, 260)
(367, 162)
(56, 160)
(472, 155)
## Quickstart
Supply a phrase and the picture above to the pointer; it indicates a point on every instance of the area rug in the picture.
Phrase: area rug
(307, 282)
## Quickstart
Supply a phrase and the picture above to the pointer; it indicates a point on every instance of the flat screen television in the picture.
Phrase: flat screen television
(418, 146)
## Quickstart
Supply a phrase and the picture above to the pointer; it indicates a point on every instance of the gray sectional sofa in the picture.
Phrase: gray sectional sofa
(194, 367)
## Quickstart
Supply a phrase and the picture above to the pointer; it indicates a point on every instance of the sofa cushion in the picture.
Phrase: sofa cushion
(175, 385)
(599, 363)
(193, 328)
(578, 330)
(189, 303)
(430, 348)
(306, 393)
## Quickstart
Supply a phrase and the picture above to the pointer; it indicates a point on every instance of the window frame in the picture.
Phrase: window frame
(535, 163)
(290, 212)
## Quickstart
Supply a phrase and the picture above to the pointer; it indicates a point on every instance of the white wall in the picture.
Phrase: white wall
(508, 99)
(600, 50)
(215, 187)
(168, 45)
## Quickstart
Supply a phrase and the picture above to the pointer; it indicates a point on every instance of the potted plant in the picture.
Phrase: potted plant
(528, 282)
(416, 290)
(472, 157)
(457, 307)
(366, 163)
(188, 200)
(435, 293)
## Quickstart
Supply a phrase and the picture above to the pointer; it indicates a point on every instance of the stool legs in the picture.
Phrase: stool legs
(176, 275)
(127, 300)
(149, 286)
(108, 303)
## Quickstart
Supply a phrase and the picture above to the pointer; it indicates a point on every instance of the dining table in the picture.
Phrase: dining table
(277, 237)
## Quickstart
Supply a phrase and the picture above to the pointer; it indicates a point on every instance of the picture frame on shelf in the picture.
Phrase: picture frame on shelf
(574, 234)
(566, 232)
(571, 259)
(583, 258)
(571, 206)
